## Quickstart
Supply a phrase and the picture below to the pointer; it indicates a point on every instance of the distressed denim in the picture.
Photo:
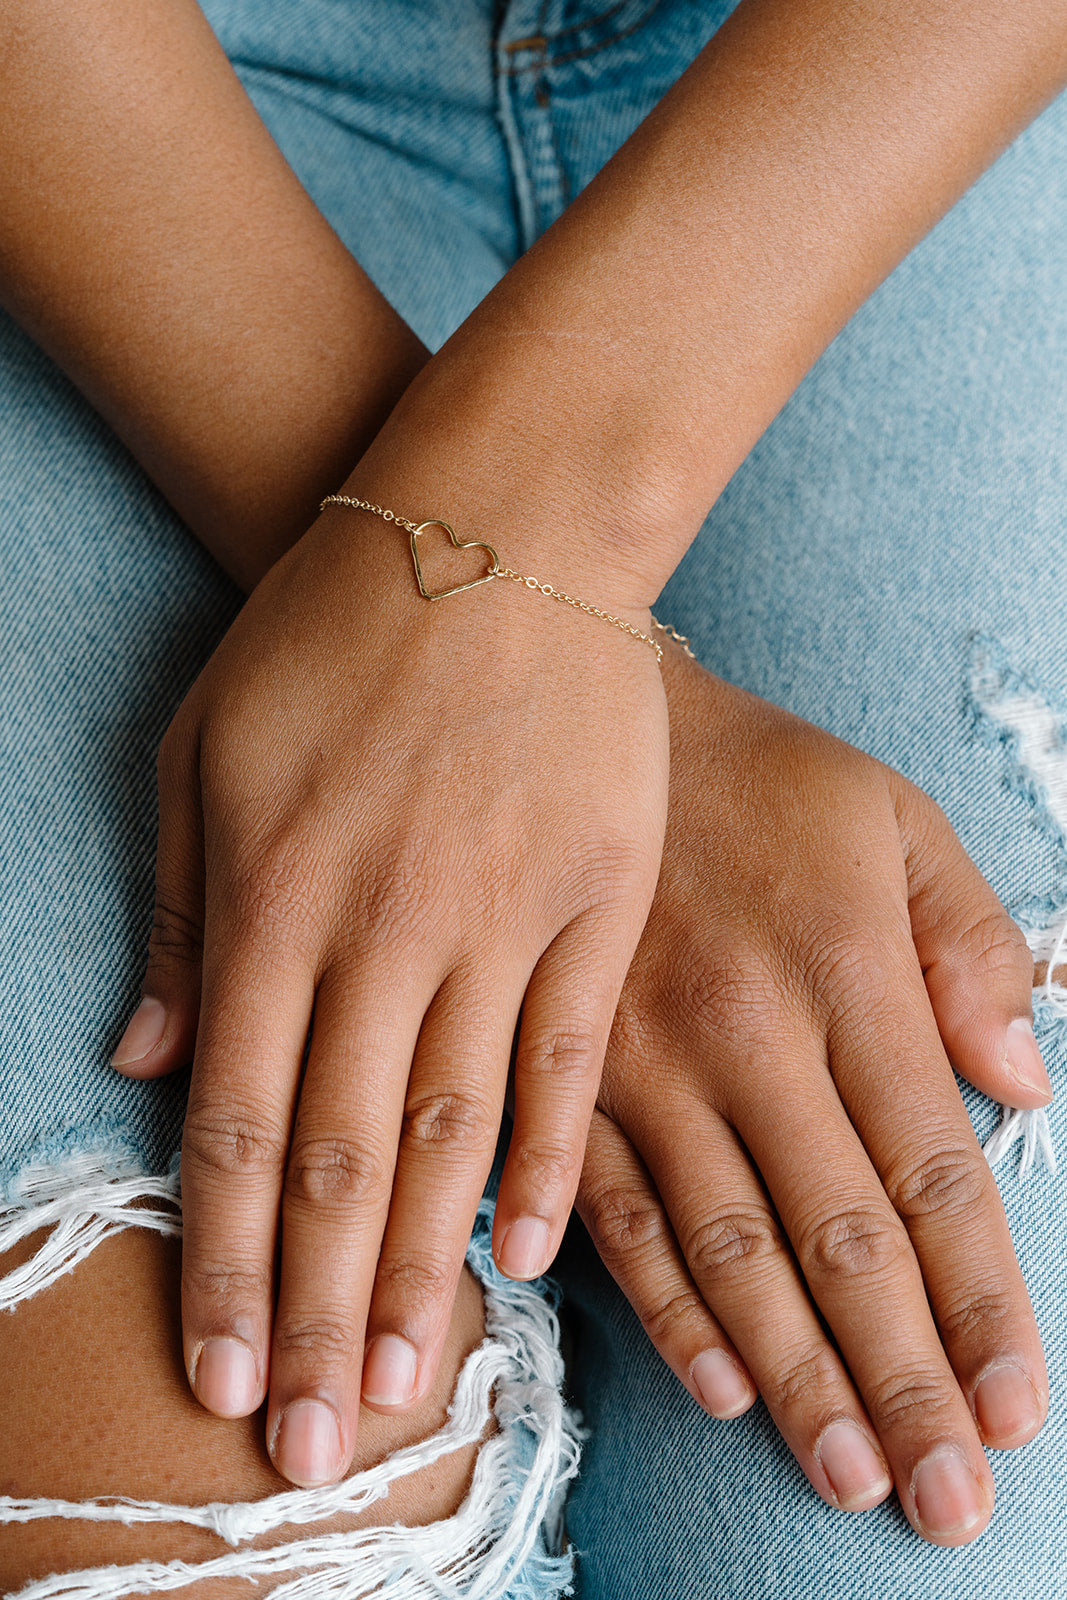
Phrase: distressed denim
(889, 563)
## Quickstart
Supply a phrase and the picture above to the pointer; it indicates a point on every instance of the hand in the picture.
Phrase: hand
(779, 1137)
(385, 827)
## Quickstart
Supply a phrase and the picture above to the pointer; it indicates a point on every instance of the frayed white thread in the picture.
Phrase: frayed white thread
(474, 1555)
(88, 1199)
(1022, 715)
(1030, 1128)
(468, 1416)
(1049, 945)
(500, 1542)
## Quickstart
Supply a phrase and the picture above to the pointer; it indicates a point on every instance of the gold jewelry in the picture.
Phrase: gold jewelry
(495, 570)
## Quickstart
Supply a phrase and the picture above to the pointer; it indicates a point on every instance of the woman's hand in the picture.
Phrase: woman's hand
(385, 827)
(780, 1172)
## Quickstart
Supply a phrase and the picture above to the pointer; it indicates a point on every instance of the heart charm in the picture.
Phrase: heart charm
(470, 544)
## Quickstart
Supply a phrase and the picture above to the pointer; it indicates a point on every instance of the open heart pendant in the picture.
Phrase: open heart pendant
(470, 544)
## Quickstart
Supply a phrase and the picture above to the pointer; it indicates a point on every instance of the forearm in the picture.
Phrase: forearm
(156, 243)
(631, 359)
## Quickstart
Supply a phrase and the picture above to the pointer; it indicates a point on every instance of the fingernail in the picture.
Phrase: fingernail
(857, 1476)
(307, 1445)
(226, 1378)
(948, 1500)
(1006, 1403)
(1024, 1058)
(724, 1390)
(524, 1252)
(389, 1372)
(143, 1032)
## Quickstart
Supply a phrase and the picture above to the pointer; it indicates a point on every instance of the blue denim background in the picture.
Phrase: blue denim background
(909, 499)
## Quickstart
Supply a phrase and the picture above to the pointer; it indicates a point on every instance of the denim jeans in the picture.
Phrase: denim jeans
(890, 562)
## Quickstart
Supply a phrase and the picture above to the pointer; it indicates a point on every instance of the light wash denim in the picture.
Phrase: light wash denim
(890, 562)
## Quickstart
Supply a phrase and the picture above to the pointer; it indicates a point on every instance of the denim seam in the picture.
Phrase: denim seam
(538, 202)
(543, 36)
(552, 136)
(549, 58)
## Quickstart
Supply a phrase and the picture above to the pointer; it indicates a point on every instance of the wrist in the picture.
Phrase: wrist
(504, 460)
(459, 565)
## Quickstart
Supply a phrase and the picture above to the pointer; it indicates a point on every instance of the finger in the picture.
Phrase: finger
(566, 1020)
(741, 1262)
(256, 1010)
(452, 1114)
(940, 1184)
(629, 1226)
(858, 1262)
(979, 972)
(161, 1034)
(338, 1183)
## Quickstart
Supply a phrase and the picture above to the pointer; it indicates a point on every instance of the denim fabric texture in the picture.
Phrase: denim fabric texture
(900, 526)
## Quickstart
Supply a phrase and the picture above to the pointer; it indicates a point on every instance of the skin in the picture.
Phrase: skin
(157, 244)
(299, 862)
(116, 1417)
(706, 1264)
(841, 1005)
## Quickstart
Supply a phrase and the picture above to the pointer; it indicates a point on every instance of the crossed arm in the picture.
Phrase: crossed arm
(697, 277)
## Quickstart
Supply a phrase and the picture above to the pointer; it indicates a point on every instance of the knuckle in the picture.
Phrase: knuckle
(274, 889)
(396, 897)
(334, 1172)
(455, 1120)
(543, 1169)
(996, 945)
(328, 1341)
(225, 1143)
(670, 1320)
(420, 1281)
(853, 1244)
(804, 1380)
(852, 962)
(174, 934)
(950, 1183)
(732, 1243)
(725, 996)
(611, 871)
(564, 1056)
(907, 1401)
(624, 1221)
(221, 1282)
(981, 1316)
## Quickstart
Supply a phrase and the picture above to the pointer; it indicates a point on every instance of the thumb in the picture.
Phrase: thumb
(160, 1035)
(978, 969)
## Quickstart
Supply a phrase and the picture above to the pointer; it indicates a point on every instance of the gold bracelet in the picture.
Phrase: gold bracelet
(495, 570)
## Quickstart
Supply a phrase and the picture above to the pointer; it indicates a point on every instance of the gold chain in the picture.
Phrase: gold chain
(672, 633)
(581, 605)
(365, 505)
(498, 571)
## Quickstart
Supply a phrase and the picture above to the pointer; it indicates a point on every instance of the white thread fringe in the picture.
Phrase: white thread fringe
(1023, 717)
(1030, 1129)
(499, 1544)
(1050, 946)
(88, 1199)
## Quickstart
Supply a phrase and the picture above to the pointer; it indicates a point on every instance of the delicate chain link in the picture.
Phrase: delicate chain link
(499, 571)
(365, 505)
(672, 633)
(581, 605)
